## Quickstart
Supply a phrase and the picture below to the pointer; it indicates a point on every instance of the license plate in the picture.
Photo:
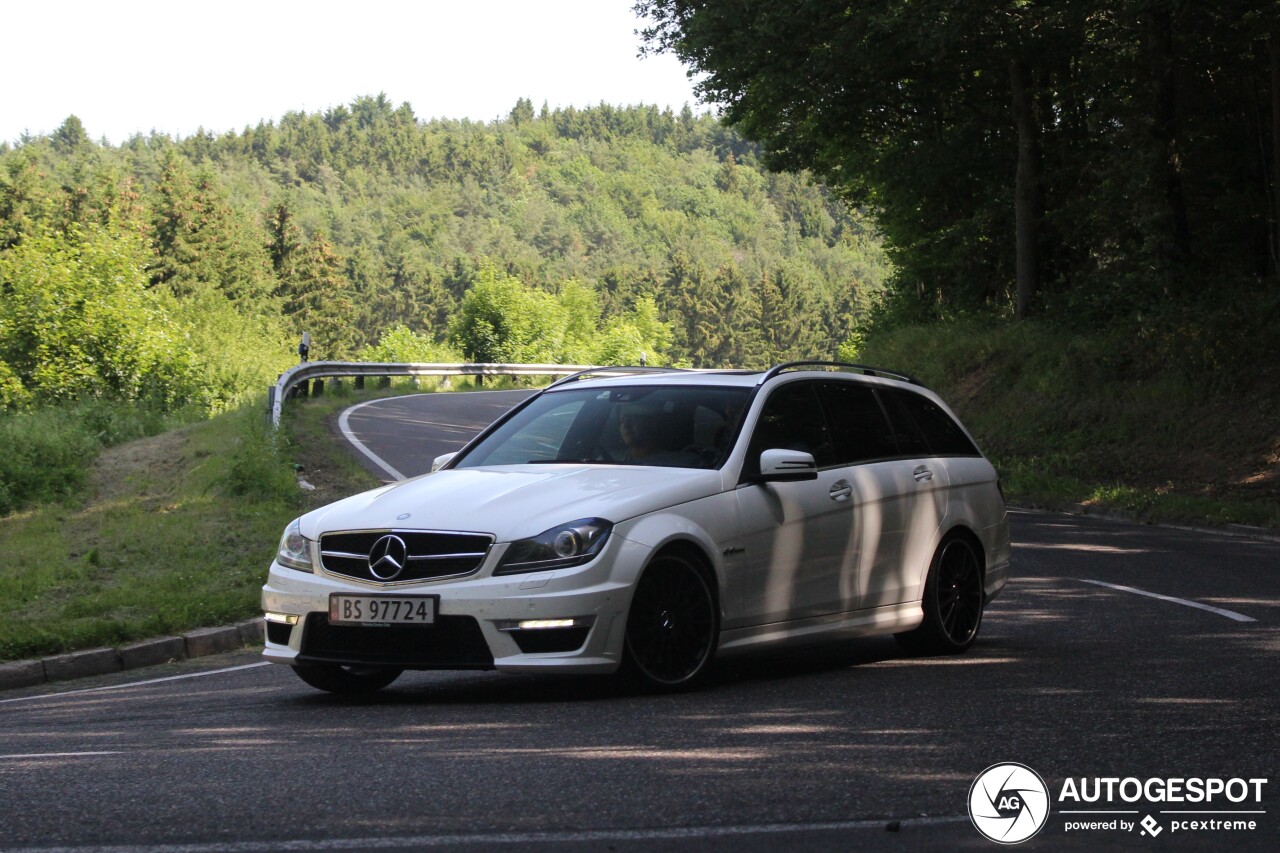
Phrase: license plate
(382, 609)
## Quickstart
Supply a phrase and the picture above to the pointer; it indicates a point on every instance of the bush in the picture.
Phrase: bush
(256, 467)
(47, 451)
(400, 345)
(78, 320)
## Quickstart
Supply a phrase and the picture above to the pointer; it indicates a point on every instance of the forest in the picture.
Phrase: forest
(182, 271)
(1078, 161)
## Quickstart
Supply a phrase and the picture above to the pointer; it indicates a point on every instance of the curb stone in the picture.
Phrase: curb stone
(199, 643)
(23, 673)
(152, 652)
(82, 664)
(252, 631)
(210, 641)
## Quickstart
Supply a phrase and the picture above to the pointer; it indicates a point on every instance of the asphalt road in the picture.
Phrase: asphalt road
(399, 437)
(843, 747)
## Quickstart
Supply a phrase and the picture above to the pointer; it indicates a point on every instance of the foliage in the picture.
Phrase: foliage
(78, 321)
(47, 451)
(255, 468)
(349, 222)
(504, 321)
(1125, 417)
(400, 344)
(1111, 156)
(236, 353)
(181, 272)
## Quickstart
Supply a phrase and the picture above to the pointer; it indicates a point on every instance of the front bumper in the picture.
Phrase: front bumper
(476, 618)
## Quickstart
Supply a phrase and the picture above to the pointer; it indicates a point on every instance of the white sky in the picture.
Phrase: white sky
(126, 66)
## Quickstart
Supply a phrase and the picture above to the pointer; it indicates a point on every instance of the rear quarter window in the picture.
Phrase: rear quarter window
(923, 427)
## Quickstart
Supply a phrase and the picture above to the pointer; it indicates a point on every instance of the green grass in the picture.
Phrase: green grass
(170, 533)
(47, 451)
(1118, 420)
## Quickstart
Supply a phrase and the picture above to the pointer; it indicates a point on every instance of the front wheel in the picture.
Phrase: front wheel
(348, 680)
(952, 602)
(673, 626)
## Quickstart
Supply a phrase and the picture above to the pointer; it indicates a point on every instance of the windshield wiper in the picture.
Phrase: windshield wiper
(566, 462)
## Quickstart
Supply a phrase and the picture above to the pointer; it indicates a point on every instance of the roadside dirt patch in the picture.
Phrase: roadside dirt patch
(147, 469)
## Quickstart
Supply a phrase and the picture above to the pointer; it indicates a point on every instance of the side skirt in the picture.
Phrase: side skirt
(854, 623)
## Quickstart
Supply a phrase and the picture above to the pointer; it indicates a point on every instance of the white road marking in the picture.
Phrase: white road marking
(1230, 614)
(358, 445)
(489, 839)
(58, 754)
(135, 683)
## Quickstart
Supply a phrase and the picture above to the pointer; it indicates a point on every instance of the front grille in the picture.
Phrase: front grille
(452, 642)
(429, 554)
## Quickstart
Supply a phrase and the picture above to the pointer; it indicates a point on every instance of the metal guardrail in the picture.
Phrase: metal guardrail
(296, 376)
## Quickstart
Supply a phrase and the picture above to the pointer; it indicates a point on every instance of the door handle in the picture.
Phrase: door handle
(841, 490)
(922, 474)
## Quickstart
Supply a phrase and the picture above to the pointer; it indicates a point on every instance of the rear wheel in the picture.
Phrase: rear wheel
(673, 625)
(336, 678)
(952, 601)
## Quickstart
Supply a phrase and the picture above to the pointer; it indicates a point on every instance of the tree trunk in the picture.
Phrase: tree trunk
(1167, 159)
(1026, 190)
(1273, 52)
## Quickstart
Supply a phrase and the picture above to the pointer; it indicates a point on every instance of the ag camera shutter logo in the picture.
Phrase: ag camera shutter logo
(1009, 803)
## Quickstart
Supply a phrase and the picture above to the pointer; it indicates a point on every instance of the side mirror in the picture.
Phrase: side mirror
(441, 460)
(787, 466)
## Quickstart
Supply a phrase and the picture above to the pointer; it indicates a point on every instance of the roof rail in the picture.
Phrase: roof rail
(622, 370)
(864, 368)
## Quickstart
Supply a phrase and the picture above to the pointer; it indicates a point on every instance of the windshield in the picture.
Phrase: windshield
(664, 426)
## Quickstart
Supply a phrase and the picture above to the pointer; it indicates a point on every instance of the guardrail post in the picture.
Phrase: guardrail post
(359, 383)
(317, 387)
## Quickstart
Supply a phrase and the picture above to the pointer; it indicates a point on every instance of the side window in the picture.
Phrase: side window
(937, 433)
(792, 419)
(858, 425)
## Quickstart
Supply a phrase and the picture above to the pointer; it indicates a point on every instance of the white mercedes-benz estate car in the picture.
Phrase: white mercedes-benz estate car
(648, 522)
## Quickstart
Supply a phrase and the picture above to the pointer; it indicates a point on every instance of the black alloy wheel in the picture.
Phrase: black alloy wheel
(953, 598)
(347, 680)
(673, 625)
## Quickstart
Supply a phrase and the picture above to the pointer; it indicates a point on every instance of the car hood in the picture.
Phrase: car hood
(514, 501)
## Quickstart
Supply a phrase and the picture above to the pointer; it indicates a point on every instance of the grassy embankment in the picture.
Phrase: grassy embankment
(1158, 423)
(165, 533)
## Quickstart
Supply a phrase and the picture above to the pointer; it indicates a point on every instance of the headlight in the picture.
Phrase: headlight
(295, 549)
(569, 544)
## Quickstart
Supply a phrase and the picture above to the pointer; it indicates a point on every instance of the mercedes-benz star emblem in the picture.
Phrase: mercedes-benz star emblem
(387, 557)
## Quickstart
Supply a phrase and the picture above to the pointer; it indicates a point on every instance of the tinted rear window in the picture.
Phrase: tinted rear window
(922, 427)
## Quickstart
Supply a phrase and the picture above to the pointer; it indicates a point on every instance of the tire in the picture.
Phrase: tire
(673, 626)
(347, 680)
(953, 598)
